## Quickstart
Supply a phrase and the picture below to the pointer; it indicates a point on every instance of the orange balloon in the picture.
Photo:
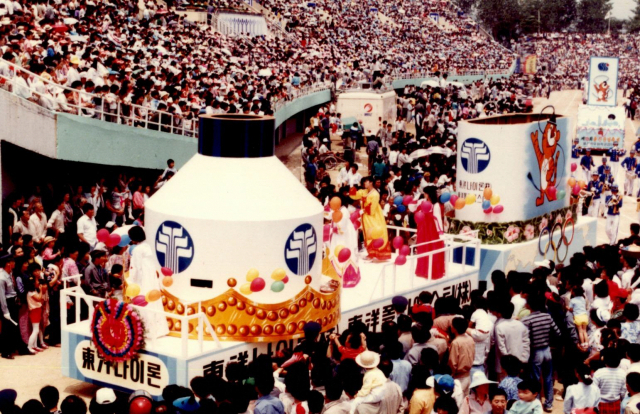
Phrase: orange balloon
(337, 216)
(571, 182)
(167, 281)
(335, 203)
(488, 192)
(582, 184)
(460, 203)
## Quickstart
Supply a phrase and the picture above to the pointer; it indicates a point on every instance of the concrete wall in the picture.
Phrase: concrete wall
(27, 125)
(300, 104)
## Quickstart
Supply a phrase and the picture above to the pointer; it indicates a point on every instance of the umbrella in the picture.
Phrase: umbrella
(265, 72)
(420, 153)
(70, 20)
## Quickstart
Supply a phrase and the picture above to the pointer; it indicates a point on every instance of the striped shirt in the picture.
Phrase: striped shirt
(540, 326)
(612, 384)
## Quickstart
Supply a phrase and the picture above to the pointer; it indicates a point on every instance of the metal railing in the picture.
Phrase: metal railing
(72, 290)
(451, 243)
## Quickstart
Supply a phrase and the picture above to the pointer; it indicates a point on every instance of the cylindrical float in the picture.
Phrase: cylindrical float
(242, 237)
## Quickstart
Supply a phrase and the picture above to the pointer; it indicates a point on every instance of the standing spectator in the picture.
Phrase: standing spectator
(87, 226)
(461, 353)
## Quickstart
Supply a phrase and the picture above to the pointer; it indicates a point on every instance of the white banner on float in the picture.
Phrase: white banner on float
(599, 127)
(603, 81)
(372, 315)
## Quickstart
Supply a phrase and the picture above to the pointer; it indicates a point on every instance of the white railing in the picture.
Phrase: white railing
(72, 289)
(451, 242)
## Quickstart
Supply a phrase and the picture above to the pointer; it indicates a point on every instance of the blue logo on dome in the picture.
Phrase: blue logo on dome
(300, 250)
(475, 155)
(174, 246)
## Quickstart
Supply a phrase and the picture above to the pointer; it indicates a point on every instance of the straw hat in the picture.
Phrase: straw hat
(479, 378)
(368, 359)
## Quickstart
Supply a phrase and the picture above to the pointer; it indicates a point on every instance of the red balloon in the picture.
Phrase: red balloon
(426, 207)
(552, 192)
(257, 284)
(488, 211)
(453, 199)
(407, 200)
(419, 217)
(377, 243)
(139, 301)
(400, 260)
(355, 215)
(498, 209)
(113, 240)
(405, 250)
(103, 235)
(398, 241)
(140, 405)
(286, 279)
(576, 189)
(344, 255)
(166, 271)
(573, 167)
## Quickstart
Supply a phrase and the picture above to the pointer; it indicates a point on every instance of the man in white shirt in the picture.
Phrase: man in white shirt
(354, 177)
(38, 223)
(56, 221)
(511, 337)
(343, 175)
(73, 74)
(87, 226)
(22, 226)
(403, 158)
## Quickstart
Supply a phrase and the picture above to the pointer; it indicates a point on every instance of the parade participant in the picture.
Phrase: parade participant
(602, 167)
(615, 154)
(607, 180)
(629, 164)
(614, 204)
(575, 149)
(373, 222)
(344, 233)
(586, 163)
(142, 272)
(428, 238)
(595, 188)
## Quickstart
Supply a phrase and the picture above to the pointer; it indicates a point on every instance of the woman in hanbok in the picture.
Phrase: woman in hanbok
(345, 234)
(143, 272)
(428, 238)
(374, 225)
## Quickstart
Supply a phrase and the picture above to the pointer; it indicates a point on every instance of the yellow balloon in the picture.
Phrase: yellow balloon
(571, 182)
(495, 199)
(376, 233)
(167, 281)
(337, 250)
(133, 290)
(278, 274)
(246, 289)
(252, 274)
(152, 295)
(470, 199)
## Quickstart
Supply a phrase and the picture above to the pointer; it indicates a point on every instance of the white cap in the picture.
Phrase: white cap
(105, 396)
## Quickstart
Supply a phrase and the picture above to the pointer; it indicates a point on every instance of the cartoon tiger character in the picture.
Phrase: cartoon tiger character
(547, 158)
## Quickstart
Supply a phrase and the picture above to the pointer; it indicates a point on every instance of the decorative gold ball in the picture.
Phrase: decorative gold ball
(222, 306)
(302, 303)
(272, 316)
(316, 303)
(291, 328)
(180, 308)
(232, 301)
(231, 282)
(251, 310)
(231, 329)
(268, 330)
(261, 314)
(241, 305)
(171, 305)
(280, 329)
(177, 326)
(307, 280)
(244, 330)
(283, 313)
(164, 300)
(301, 325)
(294, 309)
(256, 329)
(221, 329)
(211, 310)
(191, 310)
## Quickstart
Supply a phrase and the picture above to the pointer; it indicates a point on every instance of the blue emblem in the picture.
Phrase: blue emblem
(174, 246)
(603, 66)
(475, 155)
(300, 250)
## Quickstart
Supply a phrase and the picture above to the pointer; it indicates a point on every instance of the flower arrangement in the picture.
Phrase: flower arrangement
(118, 330)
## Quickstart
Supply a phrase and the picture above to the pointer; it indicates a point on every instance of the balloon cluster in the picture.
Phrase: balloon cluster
(489, 201)
(402, 203)
(111, 240)
(256, 284)
(342, 253)
(167, 280)
(376, 234)
(133, 292)
(574, 185)
(398, 242)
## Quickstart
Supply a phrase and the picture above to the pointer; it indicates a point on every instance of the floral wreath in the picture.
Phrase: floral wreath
(118, 330)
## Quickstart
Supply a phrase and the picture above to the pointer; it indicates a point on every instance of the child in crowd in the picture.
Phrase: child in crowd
(36, 296)
(528, 402)
(578, 305)
(584, 394)
(611, 382)
(509, 384)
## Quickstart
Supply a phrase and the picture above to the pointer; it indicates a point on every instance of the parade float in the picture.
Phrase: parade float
(234, 260)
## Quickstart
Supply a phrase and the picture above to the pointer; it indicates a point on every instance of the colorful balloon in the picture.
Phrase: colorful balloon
(344, 255)
(495, 199)
(166, 271)
(113, 240)
(124, 240)
(486, 204)
(252, 274)
(139, 301)
(336, 216)
(377, 232)
(355, 215)
(426, 207)
(257, 285)
(571, 181)
(133, 290)
(488, 210)
(582, 184)
(470, 199)
(405, 250)
(552, 192)
(245, 289)
(419, 217)
(398, 241)
(337, 250)
(400, 260)
(498, 209)
(561, 194)
(444, 197)
(574, 166)
(407, 200)
(576, 189)
(335, 203)
(278, 274)
(277, 286)
(401, 208)
(398, 200)
(152, 295)
(286, 279)
(488, 192)
(167, 281)
(377, 243)
(103, 235)
(460, 203)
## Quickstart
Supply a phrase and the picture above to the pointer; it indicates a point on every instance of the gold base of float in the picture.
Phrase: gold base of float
(236, 318)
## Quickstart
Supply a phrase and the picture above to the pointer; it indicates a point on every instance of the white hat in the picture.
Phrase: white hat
(479, 378)
(543, 263)
(368, 359)
(105, 396)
